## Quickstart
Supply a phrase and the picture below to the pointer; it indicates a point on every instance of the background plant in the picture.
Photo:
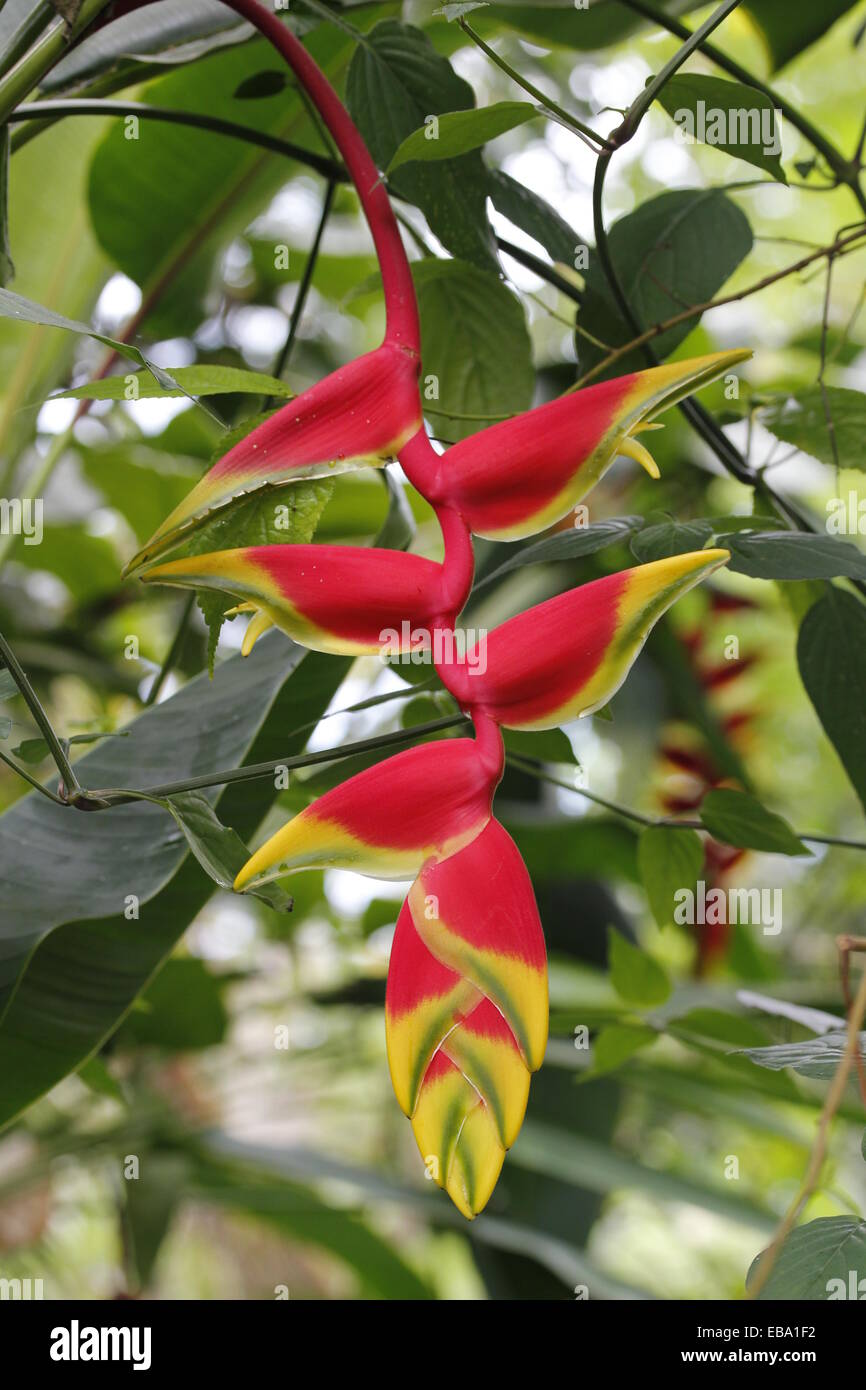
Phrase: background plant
(193, 217)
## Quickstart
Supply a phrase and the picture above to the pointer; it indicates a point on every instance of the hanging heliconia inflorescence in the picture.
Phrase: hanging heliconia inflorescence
(466, 1007)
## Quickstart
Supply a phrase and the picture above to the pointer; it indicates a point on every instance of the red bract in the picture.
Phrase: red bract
(467, 989)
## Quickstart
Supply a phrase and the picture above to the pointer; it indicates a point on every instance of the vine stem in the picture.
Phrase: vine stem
(586, 133)
(657, 329)
(121, 796)
(93, 106)
(54, 42)
(847, 172)
(62, 763)
(819, 1148)
(400, 304)
(535, 769)
(305, 283)
(173, 652)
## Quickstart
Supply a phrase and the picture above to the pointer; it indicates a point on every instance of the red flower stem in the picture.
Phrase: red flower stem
(458, 565)
(401, 307)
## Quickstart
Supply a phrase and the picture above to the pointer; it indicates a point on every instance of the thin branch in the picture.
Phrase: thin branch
(536, 769)
(304, 286)
(586, 133)
(121, 796)
(173, 652)
(82, 106)
(52, 796)
(62, 763)
(695, 310)
(819, 1148)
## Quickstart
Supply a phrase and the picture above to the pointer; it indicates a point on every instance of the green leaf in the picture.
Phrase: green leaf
(143, 484)
(793, 555)
(738, 818)
(670, 538)
(151, 1201)
(831, 655)
(636, 977)
(35, 750)
(23, 310)
(71, 961)
(182, 1010)
(474, 371)
(398, 529)
(616, 1045)
(396, 80)
(545, 745)
(673, 250)
(170, 31)
(98, 1079)
(815, 1057)
(262, 84)
(86, 564)
(458, 132)
(219, 849)
(823, 1260)
(829, 424)
(788, 29)
(204, 379)
(669, 860)
(168, 203)
(705, 108)
(568, 545)
(528, 211)
(269, 516)
(602, 23)
(8, 688)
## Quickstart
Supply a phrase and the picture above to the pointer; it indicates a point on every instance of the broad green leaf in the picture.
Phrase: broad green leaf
(636, 977)
(458, 132)
(151, 1200)
(86, 564)
(473, 369)
(546, 745)
(169, 31)
(789, 29)
(675, 249)
(182, 1010)
(165, 205)
(396, 80)
(829, 424)
(71, 961)
(616, 1045)
(219, 849)
(821, 1261)
(669, 860)
(737, 818)
(57, 263)
(726, 115)
(23, 310)
(793, 555)
(600, 24)
(142, 483)
(670, 538)
(831, 655)
(568, 545)
(305, 1219)
(528, 211)
(817, 1057)
(204, 379)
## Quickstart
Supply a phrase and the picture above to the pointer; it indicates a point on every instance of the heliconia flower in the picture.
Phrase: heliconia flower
(518, 477)
(424, 803)
(359, 416)
(466, 1011)
(568, 656)
(331, 598)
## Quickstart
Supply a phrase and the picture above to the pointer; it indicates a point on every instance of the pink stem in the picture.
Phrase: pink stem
(458, 565)
(401, 308)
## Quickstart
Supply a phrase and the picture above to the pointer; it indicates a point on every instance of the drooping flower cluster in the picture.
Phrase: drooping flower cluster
(466, 1007)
